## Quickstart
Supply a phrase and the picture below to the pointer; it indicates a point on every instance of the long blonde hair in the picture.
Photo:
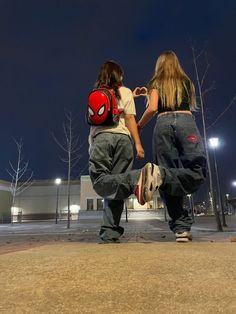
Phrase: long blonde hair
(172, 83)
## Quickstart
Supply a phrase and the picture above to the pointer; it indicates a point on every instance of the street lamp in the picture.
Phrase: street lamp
(191, 205)
(234, 183)
(57, 182)
(214, 143)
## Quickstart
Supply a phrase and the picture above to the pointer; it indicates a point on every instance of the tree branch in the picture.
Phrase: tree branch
(223, 112)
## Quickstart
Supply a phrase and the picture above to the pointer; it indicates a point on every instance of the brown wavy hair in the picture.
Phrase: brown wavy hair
(111, 76)
(172, 83)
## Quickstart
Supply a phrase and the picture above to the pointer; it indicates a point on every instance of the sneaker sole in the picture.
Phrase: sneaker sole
(183, 240)
(185, 237)
(141, 190)
(109, 241)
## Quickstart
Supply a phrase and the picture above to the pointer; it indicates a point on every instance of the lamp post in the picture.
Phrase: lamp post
(126, 211)
(191, 205)
(227, 202)
(212, 194)
(214, 143)
(231, 206)
(57, 182)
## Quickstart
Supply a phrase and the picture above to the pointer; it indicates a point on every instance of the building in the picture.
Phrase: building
(231, 206)
(5, 202)
(89, 200)
(41, 200)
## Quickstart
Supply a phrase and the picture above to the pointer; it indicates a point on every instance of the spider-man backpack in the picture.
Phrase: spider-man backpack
(102, 107)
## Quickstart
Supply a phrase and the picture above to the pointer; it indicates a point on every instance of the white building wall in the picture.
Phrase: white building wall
(40, 200)
(5, 202)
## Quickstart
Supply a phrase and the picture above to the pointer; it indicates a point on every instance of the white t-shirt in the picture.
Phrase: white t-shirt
(127, 106)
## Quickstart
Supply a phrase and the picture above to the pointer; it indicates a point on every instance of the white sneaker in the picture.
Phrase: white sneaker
(139, 188)
(152, 180)
(183, 236)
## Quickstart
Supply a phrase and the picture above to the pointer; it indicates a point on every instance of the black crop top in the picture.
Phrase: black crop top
(185, 105)
(182, 106)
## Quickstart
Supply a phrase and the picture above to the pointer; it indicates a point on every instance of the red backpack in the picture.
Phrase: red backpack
(102, 107)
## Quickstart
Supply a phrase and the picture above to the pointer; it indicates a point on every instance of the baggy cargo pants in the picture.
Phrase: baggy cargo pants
(179, 151)
(110, 163)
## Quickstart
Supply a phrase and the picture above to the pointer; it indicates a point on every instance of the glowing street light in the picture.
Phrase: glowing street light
(57, 182)
(214, 142)
(234, 183)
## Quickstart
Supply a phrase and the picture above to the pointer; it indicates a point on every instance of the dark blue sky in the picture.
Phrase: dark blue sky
(51, 51)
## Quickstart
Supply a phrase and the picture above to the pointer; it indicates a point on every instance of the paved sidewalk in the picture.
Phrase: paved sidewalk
(142, 278)
(146, 225)
(46, 268)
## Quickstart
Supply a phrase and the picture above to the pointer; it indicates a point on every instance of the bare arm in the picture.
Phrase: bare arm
(132, 127)
(151, 109)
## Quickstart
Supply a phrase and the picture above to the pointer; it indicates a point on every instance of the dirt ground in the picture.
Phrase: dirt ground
(143, 277)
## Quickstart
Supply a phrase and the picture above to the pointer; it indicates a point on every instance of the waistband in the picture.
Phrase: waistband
(177, 111)
(112, 133)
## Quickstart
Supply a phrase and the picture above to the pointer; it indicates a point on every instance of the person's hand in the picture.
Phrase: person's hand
(140, 91)
(139, 151)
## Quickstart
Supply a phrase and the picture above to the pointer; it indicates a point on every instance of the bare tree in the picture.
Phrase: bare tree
(202, 93)
(20, 174)
(232, 101)
(70, 147)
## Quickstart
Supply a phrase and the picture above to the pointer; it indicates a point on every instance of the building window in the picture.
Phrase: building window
(89, 203)
(100, 202)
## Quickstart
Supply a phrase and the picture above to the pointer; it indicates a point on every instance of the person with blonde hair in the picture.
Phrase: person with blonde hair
(178, 149)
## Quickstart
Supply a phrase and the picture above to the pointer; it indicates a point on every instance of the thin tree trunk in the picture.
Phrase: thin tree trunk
(213, 202)
(71, 149)
(17, 174)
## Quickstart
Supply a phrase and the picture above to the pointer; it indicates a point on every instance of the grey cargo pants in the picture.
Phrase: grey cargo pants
(110, 164)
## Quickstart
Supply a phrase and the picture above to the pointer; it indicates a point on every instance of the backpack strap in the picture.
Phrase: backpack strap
(114, 99)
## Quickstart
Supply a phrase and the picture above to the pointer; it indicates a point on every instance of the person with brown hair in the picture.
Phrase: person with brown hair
(177, 146)
(111, 157)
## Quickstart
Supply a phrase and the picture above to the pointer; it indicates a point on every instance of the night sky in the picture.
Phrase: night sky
(51, 52)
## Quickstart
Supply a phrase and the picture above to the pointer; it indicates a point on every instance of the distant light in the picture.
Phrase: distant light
(214, 142)
(74, 209)
(15, 210)
(234, 183)
(227, 195)
(57, 181)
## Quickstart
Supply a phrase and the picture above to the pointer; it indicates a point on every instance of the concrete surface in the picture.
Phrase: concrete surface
(120, 278)
(50, 269)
